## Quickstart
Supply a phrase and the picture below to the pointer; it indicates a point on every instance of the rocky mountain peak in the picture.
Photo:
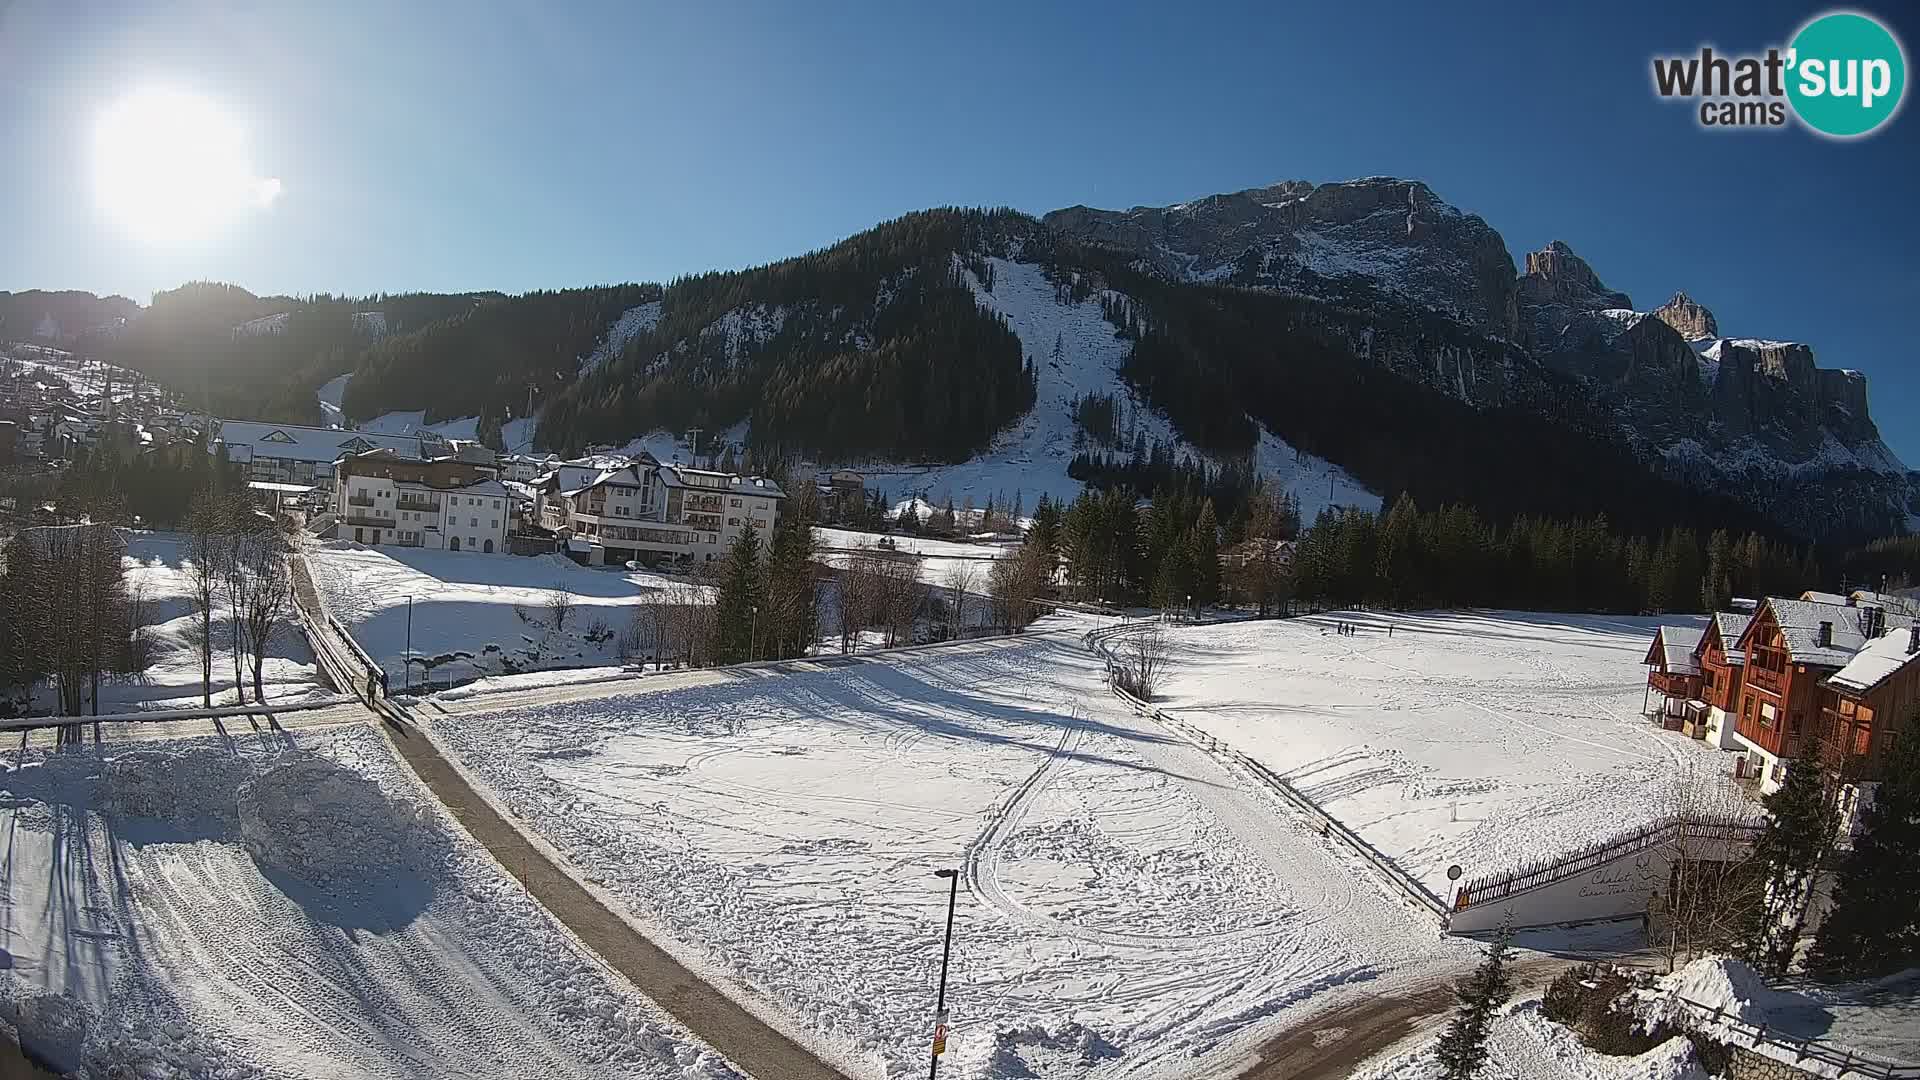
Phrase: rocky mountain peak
(1686, 315)
(1557, 287)
(1349, 242)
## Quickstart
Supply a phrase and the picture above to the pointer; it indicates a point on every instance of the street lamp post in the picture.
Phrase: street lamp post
(407, 657)
(946, 954)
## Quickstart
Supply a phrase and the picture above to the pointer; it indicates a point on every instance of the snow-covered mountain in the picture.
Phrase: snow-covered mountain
(1753, 418)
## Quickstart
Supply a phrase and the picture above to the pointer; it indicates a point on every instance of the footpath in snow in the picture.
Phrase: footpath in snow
(290, 906)
(1125, 907)
(1478, 738)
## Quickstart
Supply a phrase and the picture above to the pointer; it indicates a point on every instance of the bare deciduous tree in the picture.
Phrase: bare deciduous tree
(962, 581)
(266, 597)
(1143, 659)
(1715, 895)
(203, 541)
(559, 605)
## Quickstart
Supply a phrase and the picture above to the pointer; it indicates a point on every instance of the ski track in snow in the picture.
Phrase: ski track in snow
(785, 832)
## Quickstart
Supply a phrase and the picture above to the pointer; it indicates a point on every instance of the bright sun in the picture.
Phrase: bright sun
(171, 166)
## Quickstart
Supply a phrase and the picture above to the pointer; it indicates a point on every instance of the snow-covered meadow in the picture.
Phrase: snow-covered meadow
(290, 906)
(1477, 738)
(1125, 906)
(465, 602)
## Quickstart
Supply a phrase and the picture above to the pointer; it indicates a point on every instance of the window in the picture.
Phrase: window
(496, 504)
(733, 502)
(733, 523)
(473, 523)
(495, 523)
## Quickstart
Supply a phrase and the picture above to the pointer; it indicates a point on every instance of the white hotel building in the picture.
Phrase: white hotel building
(381, 497)
(650, 512)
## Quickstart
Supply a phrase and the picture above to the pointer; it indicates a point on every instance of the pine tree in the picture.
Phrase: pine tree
(1716, 589)
(1204, 556)
(1798, 835)
(1463, 1049)
(1874, 926)
(736, 609)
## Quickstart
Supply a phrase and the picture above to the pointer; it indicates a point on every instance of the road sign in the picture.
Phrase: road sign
(940, 1034)
(1453, 872)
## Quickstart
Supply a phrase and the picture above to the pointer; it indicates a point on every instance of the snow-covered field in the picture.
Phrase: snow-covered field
(465, 602)
(938, 558)
(157, 572)
(1478, 738)
(290, 906)
(1125, 907)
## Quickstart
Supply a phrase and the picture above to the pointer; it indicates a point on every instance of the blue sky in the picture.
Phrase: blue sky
(516, 145)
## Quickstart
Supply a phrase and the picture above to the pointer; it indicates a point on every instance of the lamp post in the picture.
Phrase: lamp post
(946, 954)
(407, 660)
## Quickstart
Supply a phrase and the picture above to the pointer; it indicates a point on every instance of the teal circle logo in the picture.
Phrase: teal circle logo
(1847, 74)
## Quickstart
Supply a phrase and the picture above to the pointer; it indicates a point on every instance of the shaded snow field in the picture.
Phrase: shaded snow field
(290, 906)
(938, 558)
(1125, 907)
(464, 602)
(1479, 738)
(157, 570)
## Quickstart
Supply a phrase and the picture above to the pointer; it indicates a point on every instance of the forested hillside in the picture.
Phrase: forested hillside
(484, 360)
(874, 346)
(196, 339)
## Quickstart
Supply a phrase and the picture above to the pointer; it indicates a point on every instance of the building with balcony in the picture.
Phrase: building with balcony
(1792, 649)
(294, 454)
(1673, 674)
(1722, 671)
(381, 497)
(640, 510)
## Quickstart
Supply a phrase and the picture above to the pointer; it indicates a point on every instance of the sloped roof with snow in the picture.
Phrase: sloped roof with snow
(1673, 648)
(1880, 660)
(1909, 605)
(295, 442)
(1800, 620)
(1729, 625)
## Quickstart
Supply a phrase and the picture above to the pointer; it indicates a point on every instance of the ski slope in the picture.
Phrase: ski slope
(1479, 738)
(1125, 908)
(272, 906)
(1032, 457)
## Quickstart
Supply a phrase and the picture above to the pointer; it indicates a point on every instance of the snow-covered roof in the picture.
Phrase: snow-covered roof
(1673, 648)
(676, 476)
(1730, 625)
(1877, 662)
(484, 487)
(1909, 605)
(295, 442)
(1819, 597)
(1800, 620)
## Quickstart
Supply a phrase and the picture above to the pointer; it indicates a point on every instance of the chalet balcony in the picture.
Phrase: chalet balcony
(359, 500)
(1674, 684)
(710, 522)
(428, 505)
(703, 503)
(1767, 679)
(368, 519)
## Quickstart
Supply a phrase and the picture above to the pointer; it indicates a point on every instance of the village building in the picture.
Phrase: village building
(1868, 704)
(648, 512)
(1792, 648)
(296, 454)
(383, 497)
(1722, 668)
(1673, 672)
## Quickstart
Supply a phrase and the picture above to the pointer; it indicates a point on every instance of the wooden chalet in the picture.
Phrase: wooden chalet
(1872, 702)
(1722, 670)
(1792, 647)
(1673, 672)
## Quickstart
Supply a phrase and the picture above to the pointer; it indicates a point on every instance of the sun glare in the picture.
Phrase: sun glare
(172, 166)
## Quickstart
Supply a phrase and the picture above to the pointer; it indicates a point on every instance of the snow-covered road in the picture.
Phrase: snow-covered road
(1127, 905)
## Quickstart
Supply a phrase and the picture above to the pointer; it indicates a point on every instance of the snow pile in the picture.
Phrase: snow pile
(319, 820)
(1717, 982)
(52, 1028)
(178, 786)
(1037, 1050)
